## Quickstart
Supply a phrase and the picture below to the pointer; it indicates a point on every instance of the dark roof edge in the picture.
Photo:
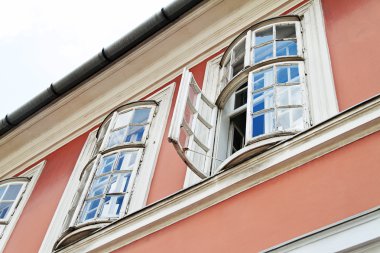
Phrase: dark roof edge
(97, 63)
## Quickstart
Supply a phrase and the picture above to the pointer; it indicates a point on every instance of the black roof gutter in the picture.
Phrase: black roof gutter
(97, 63)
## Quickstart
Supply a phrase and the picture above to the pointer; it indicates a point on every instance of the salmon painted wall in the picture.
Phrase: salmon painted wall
(326, 190)
(353, 37)
(39, 210)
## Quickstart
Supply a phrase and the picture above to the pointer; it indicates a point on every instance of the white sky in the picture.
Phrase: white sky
(43, 40)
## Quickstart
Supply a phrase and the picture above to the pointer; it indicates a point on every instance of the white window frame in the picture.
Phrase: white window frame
(33, 174)
(142, 182)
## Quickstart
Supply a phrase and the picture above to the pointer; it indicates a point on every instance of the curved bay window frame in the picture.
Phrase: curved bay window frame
(94, 169)
(237, 66)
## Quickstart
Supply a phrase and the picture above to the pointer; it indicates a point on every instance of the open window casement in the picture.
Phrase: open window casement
(192, 128)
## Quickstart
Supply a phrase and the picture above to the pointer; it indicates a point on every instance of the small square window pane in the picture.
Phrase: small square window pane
(123, 119)
(285, 31)
(188, 116)
(106, 164)
(98, 186)
(263, 79)
(141, 116)
(202, 132)
(2, 190)
(89, 210)
(127, 160)
(119, 182)
(288, 74)
(289, 95)
(116, 138)
(183, 138)
(111, 207)
(12, 192)
(263, 123)
(263, 35)
(135, 133)
(290, 119)
(286, 48)
(262, 53)
(263, 100)
(4, 209)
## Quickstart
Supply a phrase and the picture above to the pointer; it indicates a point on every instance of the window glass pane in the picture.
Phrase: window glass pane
(4, 208)
(264, 35)
(262, 53)
(106, 164)
(183, 138)
(289, 95)
(263, 100)
(116, 138)
(288, 74)
(285, 31)
(123, 119)
(2, 190)
(112, 206)
(188, 117)
(290, 119)
(141, 116)
(238, 58)
(241, 97)
(127, 160)
(263, 123)
(263, 79)
(98, 186)
(202, 132)
(12, 192)
(205, 110)
(286, 48)
(198, 157)
(90, 208)
(119, 182)
(193, 94)
(135, 133)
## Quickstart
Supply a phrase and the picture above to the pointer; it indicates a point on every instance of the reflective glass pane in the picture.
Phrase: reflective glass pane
(2, 190)
(116, 137)
(263, 79)
(285, 31)
(127, 160)
(119, 182)
(198, 158)
(238, 58)
(123, 119)
(4, 208)
(264, 35)
(135, 133)
(183, 138)
(290, 119)
(112, 206)
(263, 123)
(98, 186)
(289, 95)
(103, 129)
(202, 132)
(106, 164)
(262, 53)
(263, 100)
(193, 94)
(286, 48)
(90, 208)
(288, 74)
(12, 192)
(188, 116)
(141, 116)
(205, 110)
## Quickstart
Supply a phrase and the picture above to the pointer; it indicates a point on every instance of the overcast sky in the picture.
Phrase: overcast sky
(43, 40)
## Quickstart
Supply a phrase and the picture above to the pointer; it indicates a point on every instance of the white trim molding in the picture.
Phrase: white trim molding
(359, 233)
(33, 173)
(338, 131)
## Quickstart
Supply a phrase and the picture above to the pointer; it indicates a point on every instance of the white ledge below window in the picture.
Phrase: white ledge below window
(340, 130)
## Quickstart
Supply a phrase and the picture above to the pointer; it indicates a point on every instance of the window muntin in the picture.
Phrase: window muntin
(10, 195)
